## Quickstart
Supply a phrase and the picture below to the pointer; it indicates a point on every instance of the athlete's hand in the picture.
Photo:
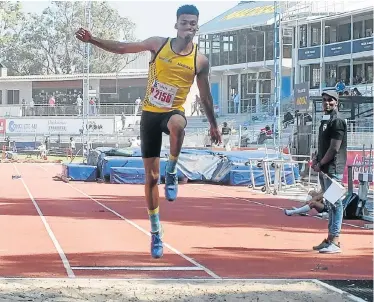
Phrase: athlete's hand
(215, 135)
(83, 35)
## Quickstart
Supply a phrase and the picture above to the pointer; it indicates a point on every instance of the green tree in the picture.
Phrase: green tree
(12, 21)
(49, 45)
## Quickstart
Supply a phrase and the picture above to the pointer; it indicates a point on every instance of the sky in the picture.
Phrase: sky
(149, 23)
(142, 13)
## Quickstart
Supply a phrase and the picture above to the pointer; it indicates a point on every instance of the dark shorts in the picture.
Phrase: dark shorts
(152, 125)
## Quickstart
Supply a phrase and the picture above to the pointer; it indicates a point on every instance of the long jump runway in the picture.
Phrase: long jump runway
(50, 229)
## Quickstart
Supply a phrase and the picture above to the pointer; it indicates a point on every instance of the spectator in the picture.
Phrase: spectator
(226, 132)
(236, 100)
(32, 107)
(340, 87)
(196, 106)
(123, 119)
(52, 105)
(138, 101)
(93, 106)
(79, 104)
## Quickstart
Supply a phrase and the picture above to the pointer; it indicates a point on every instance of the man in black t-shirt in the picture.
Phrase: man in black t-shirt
(331, 159)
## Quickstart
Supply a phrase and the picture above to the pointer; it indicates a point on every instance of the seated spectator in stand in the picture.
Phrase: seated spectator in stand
(356, 92)
(340, 87)
(226, 132)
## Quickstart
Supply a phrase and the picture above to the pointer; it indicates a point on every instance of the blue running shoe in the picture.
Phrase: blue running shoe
(171, 186)
(157, 249)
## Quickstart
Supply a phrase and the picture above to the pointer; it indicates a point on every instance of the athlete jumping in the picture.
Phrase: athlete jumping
(174, 64)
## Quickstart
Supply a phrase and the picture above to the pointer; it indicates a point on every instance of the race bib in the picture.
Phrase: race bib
(162, 95)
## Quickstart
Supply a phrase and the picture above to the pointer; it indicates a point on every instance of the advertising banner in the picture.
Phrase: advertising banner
(301, 95)
(337, 49)
(309, 53)
(58, 126)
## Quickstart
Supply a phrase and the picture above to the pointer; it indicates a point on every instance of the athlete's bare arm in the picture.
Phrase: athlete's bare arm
(202, 79)
(152, 44)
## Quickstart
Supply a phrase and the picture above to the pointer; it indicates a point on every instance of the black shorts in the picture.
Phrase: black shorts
(152, 125)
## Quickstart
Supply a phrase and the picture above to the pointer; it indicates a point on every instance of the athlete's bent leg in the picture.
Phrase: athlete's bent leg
(175, 125)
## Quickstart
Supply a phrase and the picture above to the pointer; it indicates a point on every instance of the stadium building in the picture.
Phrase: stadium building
(331, 48)
(240, 44)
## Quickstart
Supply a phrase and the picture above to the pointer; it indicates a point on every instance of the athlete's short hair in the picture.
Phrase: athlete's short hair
(187, 10)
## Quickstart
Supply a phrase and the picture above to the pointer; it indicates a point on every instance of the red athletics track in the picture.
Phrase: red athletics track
(101, 230)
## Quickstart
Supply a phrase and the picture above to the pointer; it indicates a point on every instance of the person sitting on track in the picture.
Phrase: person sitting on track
(314, 201)
(174, 64)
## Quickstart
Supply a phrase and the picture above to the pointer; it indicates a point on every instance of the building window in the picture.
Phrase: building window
(260, 46)
(13, 97)
(316, 34)
(357, 30)
(330, 34)
(251, 49)
(287, 43)
(315, 76)
(357, 74)
(269, 36)
(368, 73)
(304, 74)
(248, 93)
(265, 82)
(216, 49)
(232, 84)
(344, 74)
(233, 48)
(368, 27)
(303, 36)
(1, 97)
(204, 45)
(225, 46)
(242, 46)
(344, 32)
(330, 75)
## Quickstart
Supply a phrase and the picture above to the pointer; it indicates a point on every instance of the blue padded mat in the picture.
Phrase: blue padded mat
(127, 175)
(80, 172)
(239, 178)
(197, 165)
(108, 162)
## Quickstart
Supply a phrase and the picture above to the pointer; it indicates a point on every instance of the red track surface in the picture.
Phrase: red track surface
(225, 230)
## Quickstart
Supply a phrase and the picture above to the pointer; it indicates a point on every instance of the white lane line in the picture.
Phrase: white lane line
(57, 245)
(208, 271)
(270, 206)
(137, 268)
(339, 291)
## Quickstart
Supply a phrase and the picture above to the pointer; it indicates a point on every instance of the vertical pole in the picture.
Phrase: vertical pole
(277, 71)
(86, 77)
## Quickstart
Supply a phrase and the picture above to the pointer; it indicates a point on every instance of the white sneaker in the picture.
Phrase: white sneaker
(332, 248)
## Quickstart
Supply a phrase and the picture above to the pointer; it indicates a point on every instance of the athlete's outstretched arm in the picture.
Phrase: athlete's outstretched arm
(202, 80)
(150, 44)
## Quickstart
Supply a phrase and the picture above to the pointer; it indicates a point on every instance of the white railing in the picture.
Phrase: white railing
(68, 110)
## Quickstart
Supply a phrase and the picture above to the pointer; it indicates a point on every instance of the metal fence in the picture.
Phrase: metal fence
(68, 110)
